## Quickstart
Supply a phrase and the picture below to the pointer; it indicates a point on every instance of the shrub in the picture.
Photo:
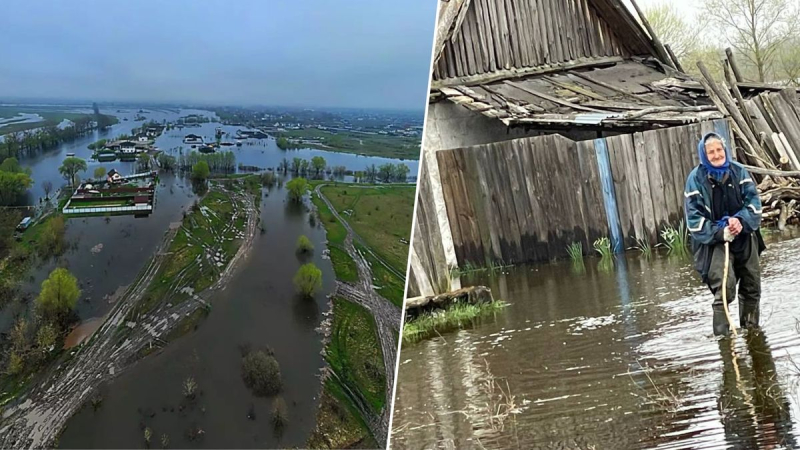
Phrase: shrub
(261, 373)
(304, 244)
(280, 414)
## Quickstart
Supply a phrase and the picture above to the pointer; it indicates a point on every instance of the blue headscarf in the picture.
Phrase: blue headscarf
(716, 172)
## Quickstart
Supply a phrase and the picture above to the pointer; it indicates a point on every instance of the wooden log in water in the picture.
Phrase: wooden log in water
(474, 295)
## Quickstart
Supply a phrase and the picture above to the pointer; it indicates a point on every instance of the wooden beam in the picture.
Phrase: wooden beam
(675, 60)
(772, 172)
(656, 42)
(505, 74)
(736, 72)
(660, 109)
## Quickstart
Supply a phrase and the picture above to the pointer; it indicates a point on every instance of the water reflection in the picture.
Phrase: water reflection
(620, 359)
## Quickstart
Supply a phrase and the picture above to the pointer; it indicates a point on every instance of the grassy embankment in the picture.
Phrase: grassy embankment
(208, 229)
(459, 316)
(354, 356)
(399, 147)
(381, 215)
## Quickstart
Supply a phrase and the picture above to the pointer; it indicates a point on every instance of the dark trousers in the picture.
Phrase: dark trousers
(744, 268)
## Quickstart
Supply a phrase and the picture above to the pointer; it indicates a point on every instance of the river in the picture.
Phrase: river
(621, 358)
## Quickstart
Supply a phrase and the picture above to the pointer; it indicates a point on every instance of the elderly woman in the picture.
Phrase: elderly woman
(722, 205)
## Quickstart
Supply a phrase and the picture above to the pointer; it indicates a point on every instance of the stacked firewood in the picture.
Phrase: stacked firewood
(766, 127)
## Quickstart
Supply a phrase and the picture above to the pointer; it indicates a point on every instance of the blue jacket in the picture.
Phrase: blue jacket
(698, 207)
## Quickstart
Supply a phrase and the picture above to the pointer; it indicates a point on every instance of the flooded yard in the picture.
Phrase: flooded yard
(619, 358)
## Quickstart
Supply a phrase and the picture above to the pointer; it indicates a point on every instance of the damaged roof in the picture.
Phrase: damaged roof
(625, 93)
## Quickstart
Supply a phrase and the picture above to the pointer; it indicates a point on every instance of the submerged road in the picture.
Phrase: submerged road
(37, 418)
(387, 317)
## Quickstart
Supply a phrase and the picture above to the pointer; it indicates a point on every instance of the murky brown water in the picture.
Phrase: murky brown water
(618, 359)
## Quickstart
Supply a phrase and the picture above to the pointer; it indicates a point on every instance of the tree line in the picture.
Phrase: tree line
(31, 142)
(763, 35)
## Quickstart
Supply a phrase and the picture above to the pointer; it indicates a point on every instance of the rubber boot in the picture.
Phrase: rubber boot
(749, 314)
(721, 327)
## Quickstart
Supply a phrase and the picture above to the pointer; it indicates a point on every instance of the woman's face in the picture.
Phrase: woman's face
(715, 153)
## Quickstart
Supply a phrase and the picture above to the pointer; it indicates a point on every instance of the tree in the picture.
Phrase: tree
(672, 28)
(386, 172)
(296, 165)
(70, 167)
(47, 186)
(789, 61)
(143, 162)
(401, 172)
(51, 241)
(166, 161)
(59, 294)
(99, 173)
(46, 337)
(318, 163)
(304, 244)
(756, 29)
(200, 171)
(12, 185)
(308, 279)
(297, 188)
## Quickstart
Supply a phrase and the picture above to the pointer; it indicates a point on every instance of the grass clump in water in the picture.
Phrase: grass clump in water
(603, 246)
(643, 245)
(456, 316)
(575, 251)
(676, 239)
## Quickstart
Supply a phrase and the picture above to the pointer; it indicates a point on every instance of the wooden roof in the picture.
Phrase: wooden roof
(618, 93)
(476, 37)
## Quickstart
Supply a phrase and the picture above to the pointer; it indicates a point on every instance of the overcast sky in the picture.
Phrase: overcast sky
(341, 53)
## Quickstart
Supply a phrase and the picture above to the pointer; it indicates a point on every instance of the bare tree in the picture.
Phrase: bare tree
(48, 187)
(756, 29)
(672, 28)
(789, 61)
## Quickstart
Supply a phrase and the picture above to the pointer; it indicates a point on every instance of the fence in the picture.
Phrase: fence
(526, 200)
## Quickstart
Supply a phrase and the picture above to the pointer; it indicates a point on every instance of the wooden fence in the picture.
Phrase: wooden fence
(526, 200)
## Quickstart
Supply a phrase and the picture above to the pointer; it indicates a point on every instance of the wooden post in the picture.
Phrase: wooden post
(674, 58)
(656, 42)
(734, 67)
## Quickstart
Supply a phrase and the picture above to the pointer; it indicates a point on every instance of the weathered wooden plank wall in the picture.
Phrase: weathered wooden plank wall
(528, 199)
(429, 271)
(504, 34)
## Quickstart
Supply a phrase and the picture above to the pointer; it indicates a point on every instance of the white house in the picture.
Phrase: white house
(127, 147)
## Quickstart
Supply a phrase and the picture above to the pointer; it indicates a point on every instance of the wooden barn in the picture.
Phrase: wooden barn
(560, 121)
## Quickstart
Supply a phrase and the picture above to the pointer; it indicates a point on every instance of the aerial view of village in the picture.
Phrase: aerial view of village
(196, 272)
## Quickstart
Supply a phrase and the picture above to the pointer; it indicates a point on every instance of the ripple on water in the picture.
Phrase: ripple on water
(631, 364)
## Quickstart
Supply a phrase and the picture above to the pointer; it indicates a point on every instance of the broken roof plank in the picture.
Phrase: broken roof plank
(610, 87)
(550, 98)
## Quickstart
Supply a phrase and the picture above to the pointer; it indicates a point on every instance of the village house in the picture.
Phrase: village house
(127, 147)
(113, 177)
(585, 97)
(192, 139)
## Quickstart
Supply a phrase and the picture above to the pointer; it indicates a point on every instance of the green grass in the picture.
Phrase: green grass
(469, 268)
(382, 216)
(400, 147)
(575, 251)
(603, 247)
(343, 265)
(387, 283)
(338, 423)
(643, 245)
(676, 239)
(183, 251)
(354, 352)
(457, 316)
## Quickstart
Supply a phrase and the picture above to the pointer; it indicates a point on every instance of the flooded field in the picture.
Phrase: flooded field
(621, 358)
(259, 308)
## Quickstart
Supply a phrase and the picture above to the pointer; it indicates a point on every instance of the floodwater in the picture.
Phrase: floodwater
(621, 358)
(259, 307)
(128, 241)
